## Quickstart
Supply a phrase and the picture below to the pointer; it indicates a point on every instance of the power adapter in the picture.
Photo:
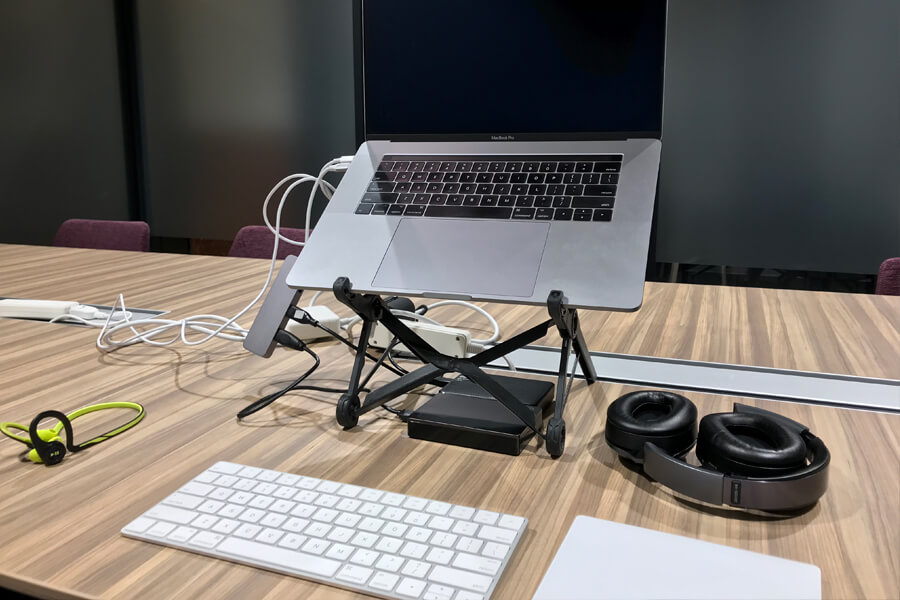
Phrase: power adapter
(306, 332)
(446, 340)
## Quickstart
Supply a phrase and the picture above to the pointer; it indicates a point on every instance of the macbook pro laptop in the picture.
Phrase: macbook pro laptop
(511, 148)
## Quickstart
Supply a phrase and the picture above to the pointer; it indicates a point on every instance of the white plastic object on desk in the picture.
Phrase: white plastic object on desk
(19, 308)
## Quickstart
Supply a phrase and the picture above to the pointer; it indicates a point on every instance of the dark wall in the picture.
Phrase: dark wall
(781, 135)
(61, 141)
(237, 95)
(781, 125)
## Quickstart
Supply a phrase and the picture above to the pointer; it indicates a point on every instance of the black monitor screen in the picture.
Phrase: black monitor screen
(512, 69)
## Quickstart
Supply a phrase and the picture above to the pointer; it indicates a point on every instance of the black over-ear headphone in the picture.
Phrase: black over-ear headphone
(751, 458)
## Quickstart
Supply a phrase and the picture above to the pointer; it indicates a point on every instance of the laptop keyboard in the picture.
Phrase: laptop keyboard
(540, 188)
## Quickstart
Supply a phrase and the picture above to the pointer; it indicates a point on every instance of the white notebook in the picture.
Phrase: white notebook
(601, 559)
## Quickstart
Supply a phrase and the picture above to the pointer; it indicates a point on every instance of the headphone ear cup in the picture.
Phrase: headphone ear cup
(54, 450)
(666, 419)
(750, 445)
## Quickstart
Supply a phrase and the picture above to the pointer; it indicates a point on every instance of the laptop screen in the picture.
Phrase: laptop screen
(512, 69)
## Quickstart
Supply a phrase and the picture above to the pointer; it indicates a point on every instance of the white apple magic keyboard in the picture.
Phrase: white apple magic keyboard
(380, 543)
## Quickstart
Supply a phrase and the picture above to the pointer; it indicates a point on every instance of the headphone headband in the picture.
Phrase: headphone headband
(795, 488)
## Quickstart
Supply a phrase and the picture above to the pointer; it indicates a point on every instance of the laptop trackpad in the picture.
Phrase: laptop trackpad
(475, 258)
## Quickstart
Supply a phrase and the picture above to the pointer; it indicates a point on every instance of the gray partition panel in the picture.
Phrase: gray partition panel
(781, 135)
(237, 95)
(62, 152)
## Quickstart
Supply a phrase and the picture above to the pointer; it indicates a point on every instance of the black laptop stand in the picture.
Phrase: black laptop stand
(371, 309)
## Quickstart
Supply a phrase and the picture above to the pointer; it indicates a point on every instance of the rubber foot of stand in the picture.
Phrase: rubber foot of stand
(555, 437)
(347, 411)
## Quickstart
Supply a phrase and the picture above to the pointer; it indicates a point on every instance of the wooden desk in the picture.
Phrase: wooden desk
(60, 525)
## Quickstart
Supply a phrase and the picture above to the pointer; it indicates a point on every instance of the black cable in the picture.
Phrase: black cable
(267, 400)
(309, 320)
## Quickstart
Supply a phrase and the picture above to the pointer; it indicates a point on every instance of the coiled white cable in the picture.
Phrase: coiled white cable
(214, 325)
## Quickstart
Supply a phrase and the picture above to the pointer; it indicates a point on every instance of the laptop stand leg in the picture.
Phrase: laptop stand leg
(566, 321)
(347, 411)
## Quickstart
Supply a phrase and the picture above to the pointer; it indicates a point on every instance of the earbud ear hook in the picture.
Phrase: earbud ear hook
(52, 451)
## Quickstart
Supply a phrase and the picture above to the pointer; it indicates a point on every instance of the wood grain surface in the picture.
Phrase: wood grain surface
(60, 525)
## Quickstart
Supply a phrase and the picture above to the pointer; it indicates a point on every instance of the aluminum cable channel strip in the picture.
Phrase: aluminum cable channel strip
(720, 378)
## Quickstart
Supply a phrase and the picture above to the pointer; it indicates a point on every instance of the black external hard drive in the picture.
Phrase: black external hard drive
(463, 414)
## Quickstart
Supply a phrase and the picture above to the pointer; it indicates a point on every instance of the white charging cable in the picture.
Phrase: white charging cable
(208, 325)
(89, 315)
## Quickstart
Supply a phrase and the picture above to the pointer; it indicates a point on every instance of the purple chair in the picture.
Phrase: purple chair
(256, 241)
(103, 235)
(888, 282)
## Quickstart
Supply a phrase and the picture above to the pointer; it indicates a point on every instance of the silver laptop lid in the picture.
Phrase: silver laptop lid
(509, 70)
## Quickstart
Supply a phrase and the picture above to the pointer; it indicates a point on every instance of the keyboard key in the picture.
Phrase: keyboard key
(160, 529)
(511, 522)
(602, 215)
(389, 545)
(496, 534)
(462, 512)
(495, 550)
(206, 539)
(600, 190)
(183, 500)
(574, 190)
(440, 556)
(543, 214)
(592, 202)
(607, 167)
(349, 491)
(384, 176)
(479, 564)
(543, 201)
(410, 588)
(444, 540)
(609, 178)
(227, 468)
(562, 214)
(566, 167)
(140, 525)
(172, 514)
(287, 559)
(379, 209)
(414, 210)
(523, 213)
(269, 535)
(197, 489)
(582, 214)
(204, 521)
(395, 209)
(413, 550)
(381, 186)
(384, 581)
(460, 578)
(182, 534)
(315, 546)
(339, 551)
(389, 563)
(470, 545)
(583, 167)
(365, 558)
